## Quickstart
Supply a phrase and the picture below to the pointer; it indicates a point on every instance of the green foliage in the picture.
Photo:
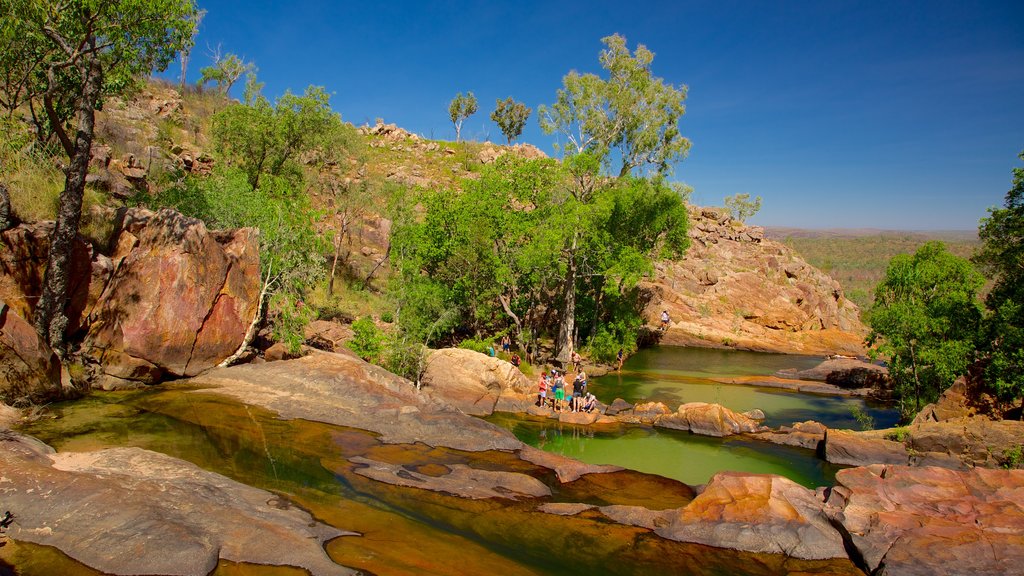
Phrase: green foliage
(1002, 258)
(511, 117)
(900, 434)
(49, 46)
(224, 72)
(265, 139)
(460, 108)
(864, 420)
(631, 110)
(368, 340)
(476, 344)
(604, 345)
(925, 320)
(741, 207)
(1013, 457)
(291, 316)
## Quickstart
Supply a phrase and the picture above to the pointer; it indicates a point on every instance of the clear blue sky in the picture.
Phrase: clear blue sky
(898, 115)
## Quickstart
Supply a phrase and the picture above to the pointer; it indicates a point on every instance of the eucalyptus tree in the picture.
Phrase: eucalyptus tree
(85, 50)
(225, 71)
(460, 108)
(511, 117)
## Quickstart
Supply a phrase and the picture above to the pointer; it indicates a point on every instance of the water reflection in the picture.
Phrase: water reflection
(676, 375)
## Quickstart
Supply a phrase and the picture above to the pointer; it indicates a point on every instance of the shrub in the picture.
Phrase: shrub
(476, 345)
(368, 341)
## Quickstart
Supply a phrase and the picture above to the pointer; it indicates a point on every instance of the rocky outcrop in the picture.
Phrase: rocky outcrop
(476, 383)
(848, 373)
(23, 257)
(862, 448)
(953, 444)
(734, 288)
(757, 513)
(708, 420)
(132, 511)
(907, 521)
(179, 302)
(29, 370)
(458, 479)
(809, 434)
(343, 390)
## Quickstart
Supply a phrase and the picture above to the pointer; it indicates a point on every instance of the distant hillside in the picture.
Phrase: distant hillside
(857, 258)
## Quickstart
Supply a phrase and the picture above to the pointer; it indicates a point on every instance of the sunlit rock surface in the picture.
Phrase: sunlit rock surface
(908, 521)
(133, 511)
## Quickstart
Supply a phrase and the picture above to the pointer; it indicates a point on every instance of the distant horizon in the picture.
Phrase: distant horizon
(843, 114)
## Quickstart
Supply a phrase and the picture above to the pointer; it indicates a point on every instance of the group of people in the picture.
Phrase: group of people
(552, 391)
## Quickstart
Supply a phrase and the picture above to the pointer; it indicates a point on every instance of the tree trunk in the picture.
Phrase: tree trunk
(6, 222)
(506, 305)
(50, 319)
(251, 331)
(567, 324)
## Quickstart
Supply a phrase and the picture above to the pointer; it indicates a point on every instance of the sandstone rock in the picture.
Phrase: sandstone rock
(923, 521)
(736, 289)
(132, 511)
(578, 418)
(567, 469)
(757, 513)
(564, 508)
(29, 370)
(859, 449)
(755, 414)
(618, 405)
(23, 257)
(953, 404)
(343, 390)
(970, 442)
(278, 351)
(809, 434)
(707, 420)
(181, 298)
(474, 382)
(461, 480)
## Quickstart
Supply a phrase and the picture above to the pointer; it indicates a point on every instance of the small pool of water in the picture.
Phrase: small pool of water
(676, 375)
(682, 456)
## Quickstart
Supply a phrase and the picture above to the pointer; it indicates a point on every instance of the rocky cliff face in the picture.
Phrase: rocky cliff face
(179, 301)
(737, 289)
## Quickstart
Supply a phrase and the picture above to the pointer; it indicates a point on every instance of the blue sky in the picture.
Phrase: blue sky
(896, 115)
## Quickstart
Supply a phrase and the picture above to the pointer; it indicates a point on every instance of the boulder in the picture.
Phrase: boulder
(567, 469)
(644, 413)
(23, 256)
(965, 443)
(132, 511)
(578, 418)
(476, 383)
(459, 479)
(707, 420)
(860, 449)
(809, 434)
(180, 300)
(345, 391)
(618, 405)
(953, 404)
(327, 335)
(907, 521)
(29, 370)
(761, 513)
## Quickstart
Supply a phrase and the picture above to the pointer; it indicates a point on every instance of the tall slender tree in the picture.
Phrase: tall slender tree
(460, 108)
(87, 49)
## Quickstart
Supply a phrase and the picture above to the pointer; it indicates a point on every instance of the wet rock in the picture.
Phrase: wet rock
(29, 370)
(645, 412)
(343, 390)
(181, 298)
(618, 405)
(809, 434)
(707, 420)
(860, 449)
(132, 511)
(564, 508)
(921, 521)
(755, 414)
(638, 516)
(757, 513)
(474, 382)
(461, 480)
(567, 469)
(578, 418)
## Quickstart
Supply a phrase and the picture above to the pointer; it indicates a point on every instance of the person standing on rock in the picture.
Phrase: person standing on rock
(490, 351)
(559, 393)
(542, 390)
(576, 361)
(506, 344)
(664, 320)
(620, 357)
(577, 393)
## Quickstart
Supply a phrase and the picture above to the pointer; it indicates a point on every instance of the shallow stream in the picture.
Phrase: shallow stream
(412, 531)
